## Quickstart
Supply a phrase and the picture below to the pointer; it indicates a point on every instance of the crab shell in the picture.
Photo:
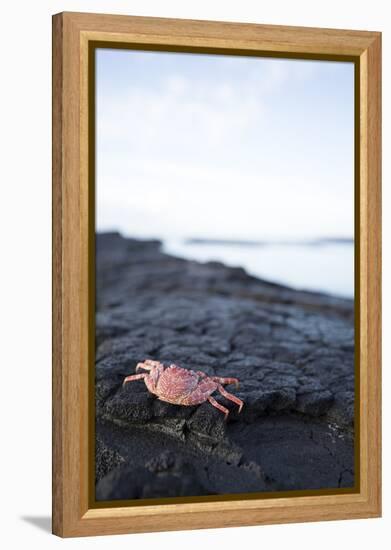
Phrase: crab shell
(181, 386)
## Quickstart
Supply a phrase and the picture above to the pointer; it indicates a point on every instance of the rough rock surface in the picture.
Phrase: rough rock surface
(292, 351)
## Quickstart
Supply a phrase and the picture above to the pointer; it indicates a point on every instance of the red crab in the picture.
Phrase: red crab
(182, 386)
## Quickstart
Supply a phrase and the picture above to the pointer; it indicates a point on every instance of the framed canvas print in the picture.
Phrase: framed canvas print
(216, 274)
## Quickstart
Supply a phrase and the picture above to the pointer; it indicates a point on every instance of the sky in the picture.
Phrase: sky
(223, 147)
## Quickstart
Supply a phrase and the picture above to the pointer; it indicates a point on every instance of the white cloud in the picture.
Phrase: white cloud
(221, 155)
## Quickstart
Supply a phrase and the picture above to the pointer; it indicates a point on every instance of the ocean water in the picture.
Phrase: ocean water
(323, 267)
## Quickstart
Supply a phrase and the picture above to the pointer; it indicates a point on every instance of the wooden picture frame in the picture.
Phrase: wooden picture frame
(74, 37)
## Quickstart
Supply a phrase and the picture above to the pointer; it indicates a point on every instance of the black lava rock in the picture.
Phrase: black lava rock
(292, 351)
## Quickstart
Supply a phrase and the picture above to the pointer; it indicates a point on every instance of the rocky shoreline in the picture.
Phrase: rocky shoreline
(292, 351)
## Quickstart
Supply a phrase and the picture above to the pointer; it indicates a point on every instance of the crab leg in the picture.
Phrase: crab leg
(149, 365)
(231, 397)
(225, 381)
(201, 374)
(134, 377)
(213, 402)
